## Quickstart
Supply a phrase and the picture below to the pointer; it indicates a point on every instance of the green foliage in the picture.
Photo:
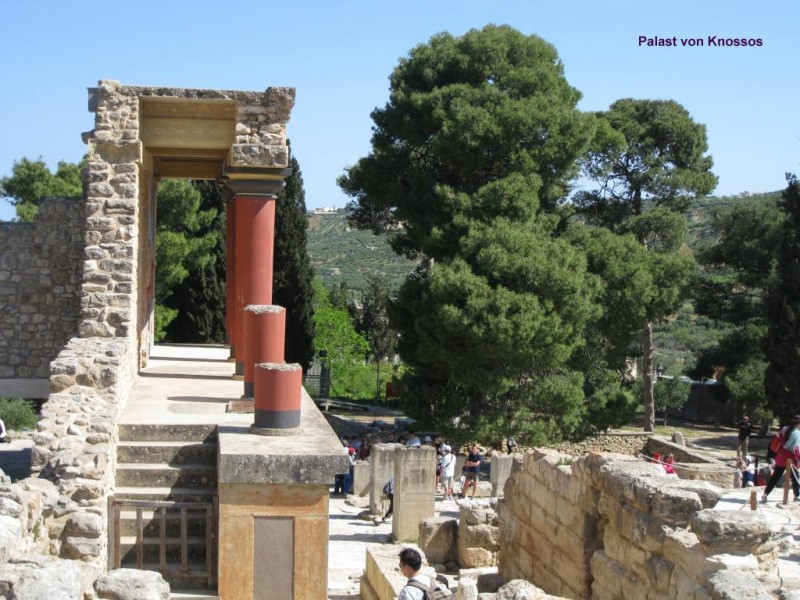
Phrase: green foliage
(293, 275)
(373, 323)
(185, 242)
(18, 414)
(337, 342)
(31, 180)
(648, 159)
(782, 379)
(195, 309)
(746, 387)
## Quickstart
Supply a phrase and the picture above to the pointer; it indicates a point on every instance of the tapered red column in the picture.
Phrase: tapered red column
(265, 327)
(230, 276)
(255, 236)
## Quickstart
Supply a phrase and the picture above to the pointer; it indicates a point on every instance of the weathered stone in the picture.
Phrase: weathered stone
(519, 589)
(84, 524)
(735, 585)
(48, 579)
(730, 530)
(80, 548)
(467, 589)
(437, 538)
(676, 505)
(132, 584)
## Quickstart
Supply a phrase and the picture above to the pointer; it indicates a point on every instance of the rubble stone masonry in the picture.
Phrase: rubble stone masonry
(40, 275)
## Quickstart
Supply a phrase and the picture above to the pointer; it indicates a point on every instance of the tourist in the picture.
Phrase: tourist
(745, 429)
(472, 470)
(418, 586)
(737, 473)
(388, 491)
(4, 437)
(669, 461)
(413, 441)
(765, 472)
(749, 472)
(790, 451)
(348, 478)
(511, 444)
(448, 465)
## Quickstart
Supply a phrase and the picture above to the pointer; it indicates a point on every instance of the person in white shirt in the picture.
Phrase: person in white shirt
(413, 440)
(448, 464)
(410, 564)
(3, 433)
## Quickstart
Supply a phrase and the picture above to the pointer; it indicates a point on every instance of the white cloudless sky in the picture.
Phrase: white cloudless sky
(338, 55)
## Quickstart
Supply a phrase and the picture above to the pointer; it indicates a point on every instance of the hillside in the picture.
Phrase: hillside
(340, 254)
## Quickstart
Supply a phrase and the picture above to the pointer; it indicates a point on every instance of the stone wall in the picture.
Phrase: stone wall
(618, 442)
(609, 526)
(40, 274)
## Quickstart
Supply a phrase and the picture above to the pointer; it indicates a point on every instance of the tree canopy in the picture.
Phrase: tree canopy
(32, 180)
(648, 159)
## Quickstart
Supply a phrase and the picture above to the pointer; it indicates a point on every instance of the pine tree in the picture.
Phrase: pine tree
(200, 299)
(293, 275)
(782, 378)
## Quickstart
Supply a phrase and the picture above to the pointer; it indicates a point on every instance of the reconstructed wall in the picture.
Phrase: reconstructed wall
(96, 341)
(40, 275)
(616, 442)
(610, 526)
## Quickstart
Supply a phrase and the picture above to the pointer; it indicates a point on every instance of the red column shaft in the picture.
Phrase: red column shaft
(265, 327)
(230, 275)
(255, 236)
(278, 393)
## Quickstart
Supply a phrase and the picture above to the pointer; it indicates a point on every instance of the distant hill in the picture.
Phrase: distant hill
(341, 254)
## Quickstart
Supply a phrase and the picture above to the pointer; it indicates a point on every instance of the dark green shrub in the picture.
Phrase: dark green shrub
(18, 413)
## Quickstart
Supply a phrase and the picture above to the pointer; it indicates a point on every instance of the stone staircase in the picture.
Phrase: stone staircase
(168, 475)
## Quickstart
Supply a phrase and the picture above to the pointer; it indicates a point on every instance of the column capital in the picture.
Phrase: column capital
(255, 182)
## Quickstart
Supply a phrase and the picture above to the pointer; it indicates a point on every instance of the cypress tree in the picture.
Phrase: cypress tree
(782, 377)
(293, 275)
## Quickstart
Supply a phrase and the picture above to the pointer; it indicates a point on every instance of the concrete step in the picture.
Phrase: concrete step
(172, 494)
(168, 452)
(153, 475)
(151, 523)
(195, 550)
(168, 432)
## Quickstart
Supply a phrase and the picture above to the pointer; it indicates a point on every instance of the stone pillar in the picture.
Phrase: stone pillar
(500, 471)
(266, 333)
(414, 490)
(361, 472)
(461, 459)
(230, 276)
(278, 390)
(273, 509)
(381, 464)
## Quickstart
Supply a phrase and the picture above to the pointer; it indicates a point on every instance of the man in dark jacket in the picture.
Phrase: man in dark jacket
(745, 429)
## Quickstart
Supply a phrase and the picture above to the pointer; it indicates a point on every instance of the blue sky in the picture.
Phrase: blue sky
(339, 56)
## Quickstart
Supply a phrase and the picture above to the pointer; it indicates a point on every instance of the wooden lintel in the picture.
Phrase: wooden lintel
(187, 169)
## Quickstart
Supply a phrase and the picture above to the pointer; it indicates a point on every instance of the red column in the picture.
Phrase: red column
(265, 327)
(230, 276)
(277, 401)
(255, 236)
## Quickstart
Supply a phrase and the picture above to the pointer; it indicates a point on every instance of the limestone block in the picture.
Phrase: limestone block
(730, 531)
(735, 585)
(357, 501)
(81, 548)
(635, 482)
(437, 538)
(659, 572)
(132, 584)
(361, 478)
(415, 486)
(381, 461)
(675, 505)
(85, 524)
(519, 589)
(709, 493)
(487, 578)
(44, 578)
(10, 532)
(467, 589)
(683, 549)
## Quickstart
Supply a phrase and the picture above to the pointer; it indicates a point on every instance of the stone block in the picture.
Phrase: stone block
(730, 531)
(676, 505)
(499, 472)
(361, 478)
(437, 538)
(132, 584)
(381, 461)
(736, 585)
(414, 490)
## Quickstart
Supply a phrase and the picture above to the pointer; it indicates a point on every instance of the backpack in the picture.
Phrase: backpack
(435, 592)
(777, 441)
(387, 488)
